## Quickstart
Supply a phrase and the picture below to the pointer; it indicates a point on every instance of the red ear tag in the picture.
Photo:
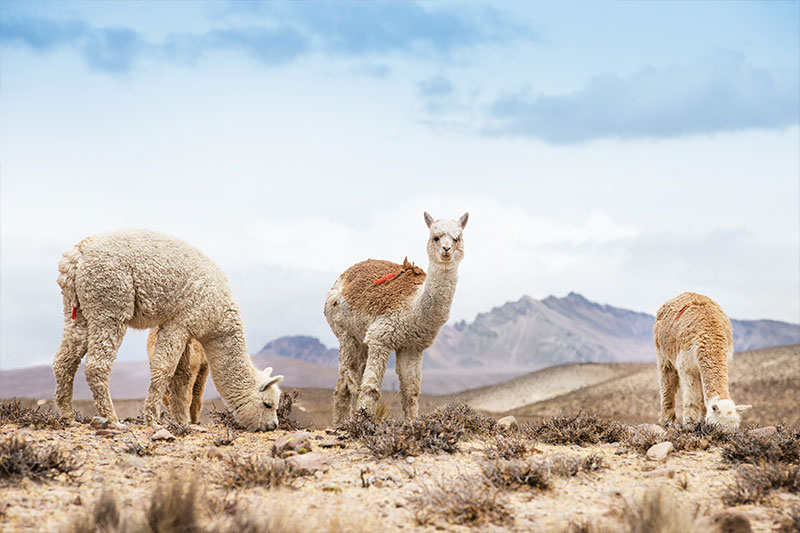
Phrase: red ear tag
(74, 312)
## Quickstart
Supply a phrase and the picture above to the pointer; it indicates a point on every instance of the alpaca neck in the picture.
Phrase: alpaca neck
(714, 374)
(437, 293)
(232, 370)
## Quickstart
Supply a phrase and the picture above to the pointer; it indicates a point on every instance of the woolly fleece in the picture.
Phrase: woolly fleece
(184, 395)
(371, 322)
(694, 341)
(144, 279)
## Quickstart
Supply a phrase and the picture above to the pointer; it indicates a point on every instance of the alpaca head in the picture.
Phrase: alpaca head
(445, 242)
(724, 413)
(260, 411)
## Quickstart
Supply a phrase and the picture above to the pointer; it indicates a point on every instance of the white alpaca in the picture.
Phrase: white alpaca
(694, 342)
(378, 306)
(143, 279)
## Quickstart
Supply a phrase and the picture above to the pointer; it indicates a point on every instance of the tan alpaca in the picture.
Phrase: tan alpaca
(184, 394)
(694, 342)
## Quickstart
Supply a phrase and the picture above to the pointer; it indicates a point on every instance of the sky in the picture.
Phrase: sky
(628, 151)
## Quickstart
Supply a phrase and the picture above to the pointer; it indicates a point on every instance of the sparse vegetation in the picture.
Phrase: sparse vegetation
(285, 410)
(226, 439)
(19, 458)
(790, 521)
(467, 500)
(223, 417)
(13, 412)
(754, 484)
(134, 448)
(503, 447)
(782, 447)
(657, 512)
(537, 472)
(258, 471)
(579, 429)
(690, 437)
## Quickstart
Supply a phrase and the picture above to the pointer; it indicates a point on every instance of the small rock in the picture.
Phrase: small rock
(163, 434)
(298, 442)
(308, 463)
(214, 453)
(131, 462)
(107, 432)
(661, 472)
(659, 452)
(198, 428)
(148, 431)
(77, 500)
(98, 478)
(767, 431)
(507, 422)
(318, 474)
(332, 444)
(26, 483)
(98, 422)
(729, 521)
(410, 459)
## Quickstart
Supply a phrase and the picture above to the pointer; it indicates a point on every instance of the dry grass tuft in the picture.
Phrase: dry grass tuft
(13, 412)
(175, 507)
(464, 418)
(134, 448)
(258, 471)
(466, 500)
(285, 410)
(507, 448)
(790, 521)
(658, 512)
(226, 439)
(360, 424)
(223, 417)
(537, 472)
(783, 447)
(19, 458)
(105, 517)
(754, 484)
(689, 437)
(578, 429)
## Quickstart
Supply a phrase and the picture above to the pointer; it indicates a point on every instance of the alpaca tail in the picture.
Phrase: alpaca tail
(67, 271)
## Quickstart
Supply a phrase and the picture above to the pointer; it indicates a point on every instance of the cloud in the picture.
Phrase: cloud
(275, 34)
(435, 87)
(721, 93)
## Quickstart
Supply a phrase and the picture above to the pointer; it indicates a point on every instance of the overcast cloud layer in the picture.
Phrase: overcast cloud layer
(596, 151)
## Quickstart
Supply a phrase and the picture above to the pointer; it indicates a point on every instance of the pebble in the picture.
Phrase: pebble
(318, 474)
(198, 428)
(148, 431)
(308, 463)
(214, 453)
(332, 444)
(659, 452)
(98, 422)
(410, 459)
(661, 472)
(298, 442)
(507, 422)
(163, 434)
(107, 432)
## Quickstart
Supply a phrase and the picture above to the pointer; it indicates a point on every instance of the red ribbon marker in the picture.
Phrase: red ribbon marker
(685, 307)
(74, 312)
(386, 277)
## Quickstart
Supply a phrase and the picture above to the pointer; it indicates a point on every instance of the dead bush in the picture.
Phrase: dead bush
(466, 500)
(503, 447)
(790, 520)
(782, 447)
(514, 473)
(578, 429)
(359, 424)
(462, 417)
(571, 465)
(19, 458)
(14, 412)
(754, 484)
(258, 471)
(223, 417)
(104, 517)
(226, 439)
(657, 512)
(404, 438)
(134, 448)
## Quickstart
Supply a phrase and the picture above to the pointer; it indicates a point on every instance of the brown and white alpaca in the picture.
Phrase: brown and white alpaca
(184, 394)
(694, 342)
(376, 307)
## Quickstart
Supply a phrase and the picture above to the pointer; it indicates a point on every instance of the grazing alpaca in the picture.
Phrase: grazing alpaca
(184, 395)
(378, 306)
(694, 341)
(144, 279)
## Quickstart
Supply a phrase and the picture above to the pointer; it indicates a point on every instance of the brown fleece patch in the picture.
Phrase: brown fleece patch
(363, 295)
(703, 324)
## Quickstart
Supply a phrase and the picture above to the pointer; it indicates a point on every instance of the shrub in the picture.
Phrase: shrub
(19, 458)
(13, 412)
(754, 484)
(506, 448)
(782, 447)
(285, 410)
(657, 512)
(258, 471)
(466, 500)
(509, 474)
(578, 429)
(223, 417)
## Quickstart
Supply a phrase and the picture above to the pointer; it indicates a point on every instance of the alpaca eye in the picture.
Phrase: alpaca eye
(268, 405)
(455, 239)
(436, 239)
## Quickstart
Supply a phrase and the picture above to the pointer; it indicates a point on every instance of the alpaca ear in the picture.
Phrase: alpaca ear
(270, 382)
(267, 371)
(741, 408)
(463, 220)
(428, 219)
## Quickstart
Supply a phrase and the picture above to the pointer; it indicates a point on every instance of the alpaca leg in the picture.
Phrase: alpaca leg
(370, 391)
(169, 349)
(348, 382)
(197, 392)
(105, 337)
(74, 343)
(668, 383)
(693, 406)
(179, 388)
(409, 371)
